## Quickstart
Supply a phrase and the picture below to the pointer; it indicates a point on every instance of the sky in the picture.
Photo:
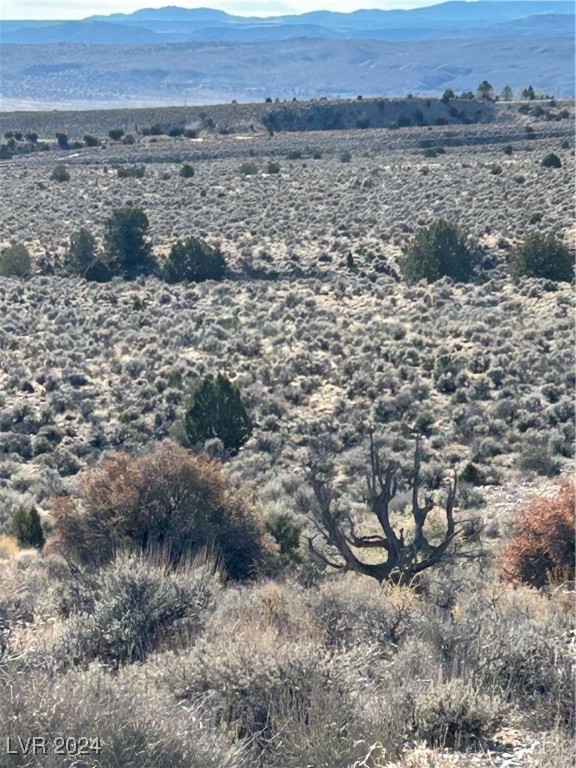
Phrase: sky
(79, 9)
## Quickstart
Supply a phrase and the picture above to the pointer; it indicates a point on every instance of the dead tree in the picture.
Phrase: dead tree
(401, 557)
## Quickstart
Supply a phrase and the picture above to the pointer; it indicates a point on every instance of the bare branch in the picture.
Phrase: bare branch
(325, 560)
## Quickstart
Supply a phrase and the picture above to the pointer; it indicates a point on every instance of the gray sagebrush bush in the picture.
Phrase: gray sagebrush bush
(15, 261)
(138, 603)
(455, 715)
(126, 723)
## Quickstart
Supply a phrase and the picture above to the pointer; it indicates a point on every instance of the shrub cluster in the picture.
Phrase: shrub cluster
(541, 549)
(168, 499)
(193, 261)
(440, 250)
(542, 255)
(128, 252)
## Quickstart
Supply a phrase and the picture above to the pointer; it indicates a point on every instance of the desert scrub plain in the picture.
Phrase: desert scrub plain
(328, 345)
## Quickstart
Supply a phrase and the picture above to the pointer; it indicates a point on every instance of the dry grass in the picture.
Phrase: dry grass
(8, 547)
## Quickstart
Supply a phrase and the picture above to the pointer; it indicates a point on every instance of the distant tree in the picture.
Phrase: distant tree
(486, 91)
(15, 261)
(507, 93)
(32, 137)
(447, 95)
(286, 533)
(81, 252)
(187, 171)
(125, 239)
(542, 255)
(552, 161)
(62, 140)
(467, 95)
(215, 409)
(529, 93)
(91, 141)
(248, 169)
(440, 250)
(116, 134)
(194, 261)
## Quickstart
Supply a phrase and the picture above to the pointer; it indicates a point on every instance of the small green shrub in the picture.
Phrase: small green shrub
(60, 174)
(286, 534)
(272, 168)
(131, 172)
(194, 261)
(186, 172)
(440, 250)
(128, 140)
(62, 139)
(345, 157)
(98, 272)
(551, 161)
(508, 149)
(15, 261)
(116, 134)
(91, 141)
(215, 409)
(542, 255)
(27, 527)
(248, 169)
(294, 154)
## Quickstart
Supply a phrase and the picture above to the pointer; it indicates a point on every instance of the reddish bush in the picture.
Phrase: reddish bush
(169, 499)
(542, 549)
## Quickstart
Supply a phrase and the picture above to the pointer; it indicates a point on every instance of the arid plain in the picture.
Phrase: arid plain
(327, 344)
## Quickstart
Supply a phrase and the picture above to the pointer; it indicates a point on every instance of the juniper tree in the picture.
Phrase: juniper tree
(215, 409)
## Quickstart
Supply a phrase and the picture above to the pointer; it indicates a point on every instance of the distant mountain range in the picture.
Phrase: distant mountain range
(200, 56)
(484, 18)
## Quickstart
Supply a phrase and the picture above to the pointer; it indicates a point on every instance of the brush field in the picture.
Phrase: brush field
(327, 343)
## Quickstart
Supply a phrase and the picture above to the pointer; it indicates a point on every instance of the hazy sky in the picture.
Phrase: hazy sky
(79, 9)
